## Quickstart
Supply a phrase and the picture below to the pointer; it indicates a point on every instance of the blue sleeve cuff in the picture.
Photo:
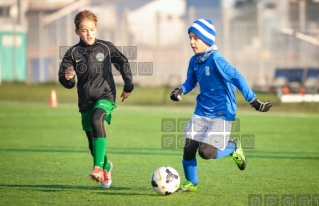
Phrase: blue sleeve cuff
(183, 88)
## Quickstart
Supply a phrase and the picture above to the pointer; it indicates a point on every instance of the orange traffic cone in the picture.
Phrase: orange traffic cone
(53, 99)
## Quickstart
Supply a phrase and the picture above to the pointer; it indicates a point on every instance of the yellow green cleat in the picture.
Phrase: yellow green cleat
(187, 186)
(238, 155)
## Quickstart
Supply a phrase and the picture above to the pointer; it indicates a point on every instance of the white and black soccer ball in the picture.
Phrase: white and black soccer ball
(165, 180)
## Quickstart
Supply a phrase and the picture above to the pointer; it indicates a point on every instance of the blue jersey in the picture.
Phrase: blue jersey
(216, 79)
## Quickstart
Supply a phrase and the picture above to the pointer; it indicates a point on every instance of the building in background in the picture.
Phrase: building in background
(13, 40)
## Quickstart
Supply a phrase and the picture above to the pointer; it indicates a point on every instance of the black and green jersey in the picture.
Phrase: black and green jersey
(92, 64)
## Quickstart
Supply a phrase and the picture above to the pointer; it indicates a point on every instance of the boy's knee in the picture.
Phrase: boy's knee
(97, 117)
(206, 153)
(97, 122)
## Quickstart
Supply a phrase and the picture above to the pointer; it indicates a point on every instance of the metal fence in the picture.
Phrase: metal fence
(255, 47)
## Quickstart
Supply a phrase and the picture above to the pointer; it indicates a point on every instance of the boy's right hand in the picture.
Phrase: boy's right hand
(176, 94)
(69, 73)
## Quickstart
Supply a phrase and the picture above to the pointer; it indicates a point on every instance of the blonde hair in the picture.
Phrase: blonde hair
(82, 16)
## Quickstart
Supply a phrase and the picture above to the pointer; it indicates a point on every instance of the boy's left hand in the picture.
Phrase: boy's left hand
(261, 106)
(125, 95)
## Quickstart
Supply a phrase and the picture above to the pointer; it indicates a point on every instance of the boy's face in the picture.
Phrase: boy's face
(87, 31)
(197, 44)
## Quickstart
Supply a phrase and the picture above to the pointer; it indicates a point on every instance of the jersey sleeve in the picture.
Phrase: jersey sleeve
(121, 64)
(191, 79)
(232, 75)
(67, 61)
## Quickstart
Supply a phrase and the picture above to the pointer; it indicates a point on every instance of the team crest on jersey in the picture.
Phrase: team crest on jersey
(207, 70)
(99, 56)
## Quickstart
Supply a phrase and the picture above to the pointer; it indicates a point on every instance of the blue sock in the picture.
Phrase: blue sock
(227, 151)
(190, 170)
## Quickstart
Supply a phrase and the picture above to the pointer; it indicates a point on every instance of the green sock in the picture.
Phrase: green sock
(99, 149)
(106, 165)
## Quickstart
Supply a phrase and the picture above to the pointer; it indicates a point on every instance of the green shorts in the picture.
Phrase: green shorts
(106, 105)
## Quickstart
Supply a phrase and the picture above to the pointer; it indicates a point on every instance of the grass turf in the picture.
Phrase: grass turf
(45, 158)
(156, 96)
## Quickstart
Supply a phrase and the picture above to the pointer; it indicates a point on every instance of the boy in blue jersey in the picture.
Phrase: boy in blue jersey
(209, 129)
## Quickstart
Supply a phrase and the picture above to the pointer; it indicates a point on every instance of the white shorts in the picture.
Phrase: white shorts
(212, 131)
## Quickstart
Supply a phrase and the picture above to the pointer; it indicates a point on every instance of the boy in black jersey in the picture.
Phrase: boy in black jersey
(90, 60)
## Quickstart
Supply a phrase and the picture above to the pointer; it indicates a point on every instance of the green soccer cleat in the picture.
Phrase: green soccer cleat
(238, 155)
(187, 186)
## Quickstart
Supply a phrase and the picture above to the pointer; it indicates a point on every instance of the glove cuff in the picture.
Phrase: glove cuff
(253, 100)
(183, 89)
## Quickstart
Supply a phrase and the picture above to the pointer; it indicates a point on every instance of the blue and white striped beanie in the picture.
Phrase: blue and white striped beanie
(204, 29)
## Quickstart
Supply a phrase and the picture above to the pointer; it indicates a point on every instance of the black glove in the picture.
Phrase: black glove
(176, 94)
(261, 106)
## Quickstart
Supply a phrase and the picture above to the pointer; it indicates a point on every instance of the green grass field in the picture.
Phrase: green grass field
(45, 159)
(156, 96)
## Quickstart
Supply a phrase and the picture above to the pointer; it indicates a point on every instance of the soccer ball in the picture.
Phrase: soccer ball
(165, 180)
